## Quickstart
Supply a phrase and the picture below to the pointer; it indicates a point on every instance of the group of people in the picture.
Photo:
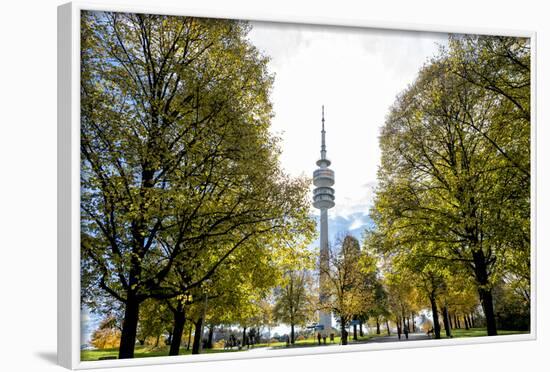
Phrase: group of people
(232, 342)
(324, 337)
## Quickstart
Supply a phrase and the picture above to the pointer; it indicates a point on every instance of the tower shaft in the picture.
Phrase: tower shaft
(325, 318)
(323, 199)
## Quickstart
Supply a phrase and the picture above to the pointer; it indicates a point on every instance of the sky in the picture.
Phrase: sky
(357, 74)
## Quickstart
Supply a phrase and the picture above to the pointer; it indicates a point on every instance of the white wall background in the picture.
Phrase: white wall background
(28, 182)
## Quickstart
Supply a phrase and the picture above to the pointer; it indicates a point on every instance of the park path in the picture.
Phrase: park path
(393, 338)
(259, 349)
(381, 339)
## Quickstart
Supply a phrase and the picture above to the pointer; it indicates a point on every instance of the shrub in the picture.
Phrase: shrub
(218, 344)
(106, 338)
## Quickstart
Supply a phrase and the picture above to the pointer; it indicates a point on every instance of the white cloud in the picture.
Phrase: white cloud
(356, 73)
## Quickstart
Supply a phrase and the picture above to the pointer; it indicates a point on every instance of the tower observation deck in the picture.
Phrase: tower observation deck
(323, 177)
(323, 199)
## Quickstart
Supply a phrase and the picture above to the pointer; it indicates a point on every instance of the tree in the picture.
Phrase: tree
(294, 300)
(451, 170)
(379, 311)
(502, 66)
(373, 248)
(401, 298)
(346, 283)
(154, 320)
(267, 316)
(107, 335)
(512, 310)
(178, 166)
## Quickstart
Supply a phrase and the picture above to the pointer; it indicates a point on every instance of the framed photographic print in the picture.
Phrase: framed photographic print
(235, 186)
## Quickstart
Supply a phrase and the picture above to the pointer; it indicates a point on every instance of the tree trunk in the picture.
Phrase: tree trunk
(457, 320)
(344, 332)
(377, 326)
(414, 323)
(466, 323)
(388, 328)
(244, 337)
(355, 332)
(437, 328)
(292, 337)
(361, 329)
(189, 338)
(197, 340)
(446, 322)
(131, 311)
(484, 291)
(129, 327)
(177, 331)
(398, 323)
(209, 342)
(487, 303)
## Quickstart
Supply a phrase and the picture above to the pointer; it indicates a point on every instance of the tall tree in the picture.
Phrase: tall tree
(294, 300)
(346, 283)
(178, 166)
(451, 173)
(501, 66)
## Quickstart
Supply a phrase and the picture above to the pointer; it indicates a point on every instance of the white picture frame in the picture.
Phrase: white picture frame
(69, 170)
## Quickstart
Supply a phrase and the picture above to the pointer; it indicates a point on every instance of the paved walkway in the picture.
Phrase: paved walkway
(380, 339)
(393, 338)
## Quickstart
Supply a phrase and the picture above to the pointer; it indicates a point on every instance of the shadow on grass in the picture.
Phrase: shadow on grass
(478, 332)
(141, 352)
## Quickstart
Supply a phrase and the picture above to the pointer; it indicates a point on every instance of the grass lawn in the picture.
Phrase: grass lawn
(148, 351)
(140, 352)
(477, 332)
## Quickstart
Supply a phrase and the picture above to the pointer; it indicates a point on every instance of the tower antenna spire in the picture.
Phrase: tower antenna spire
(323, 146)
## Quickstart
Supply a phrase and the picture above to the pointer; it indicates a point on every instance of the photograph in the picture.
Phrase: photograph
(252, 187)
